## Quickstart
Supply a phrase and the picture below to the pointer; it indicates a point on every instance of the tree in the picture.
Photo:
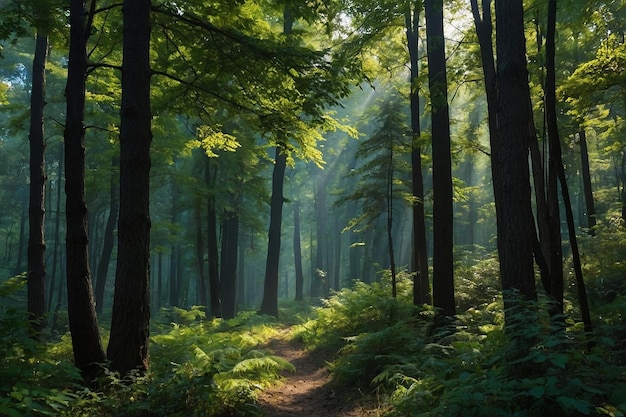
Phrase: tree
(128, 344)
(88, 351)
(443, 262)
(36, 241)
(421, 286)
(269, 305)
(510, 159)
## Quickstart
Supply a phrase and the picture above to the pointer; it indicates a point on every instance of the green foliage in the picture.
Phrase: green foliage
(350, 312)
(33, 383)
(472, 366)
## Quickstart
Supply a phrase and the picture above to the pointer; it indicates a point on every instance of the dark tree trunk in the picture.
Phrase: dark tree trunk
(587, 188)
(57, 227)
(88, 351)
(421, 285)
(320, 278)
(511, 175)
(128, 345)
(297, 252)
(36, 213)
(269, 305)
(228, 272)
(555, 165)
(202, 298)
(390, 248)
(109, 237)
(212, 251)
(443, 262)
(174, 290)
(555, 152)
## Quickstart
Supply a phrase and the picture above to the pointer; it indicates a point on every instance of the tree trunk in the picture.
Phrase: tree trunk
(201, 287)
(443, 262)
(128, 345)
(57, 227)
(421, 284)
(269, 305)
(88, 351)
(555, 166)
(587, 188)
(297, 252)
(511, 175)
(36, 242)
(320, 278)
(212, 251)
(228, 272)
(109, 238)
(555, 152)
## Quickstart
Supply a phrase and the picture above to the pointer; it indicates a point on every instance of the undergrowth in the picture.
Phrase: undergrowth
(198, 367)
(471, 367)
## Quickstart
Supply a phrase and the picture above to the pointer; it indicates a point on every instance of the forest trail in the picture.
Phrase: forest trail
(307, 392)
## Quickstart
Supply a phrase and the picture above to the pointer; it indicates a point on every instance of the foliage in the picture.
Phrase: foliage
(33, 383)
(472, 367)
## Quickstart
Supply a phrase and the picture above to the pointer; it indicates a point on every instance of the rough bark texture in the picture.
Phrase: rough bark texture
(269, 305)
(421, 285)
(83, 322)
(443, 262)
(128, 345)
(513, 209)
(36, 242)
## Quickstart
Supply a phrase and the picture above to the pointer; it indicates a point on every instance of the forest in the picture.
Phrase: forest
(237, 208)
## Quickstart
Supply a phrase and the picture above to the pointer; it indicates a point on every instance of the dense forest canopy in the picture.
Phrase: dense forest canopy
(450, 170)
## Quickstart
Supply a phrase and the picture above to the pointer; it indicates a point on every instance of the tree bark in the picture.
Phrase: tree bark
(228, 272)
(443, 262)
(128, 345)
(88, 351)
(513, 209)
(269, 304)
(421, 283)
(36, 286)
(587, 188)
(555, 152)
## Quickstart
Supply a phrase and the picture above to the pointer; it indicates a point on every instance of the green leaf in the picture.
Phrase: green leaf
(559, 359)
(536, 392)
(569, 403)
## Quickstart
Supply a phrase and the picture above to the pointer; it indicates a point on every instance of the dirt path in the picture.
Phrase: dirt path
(306, 392)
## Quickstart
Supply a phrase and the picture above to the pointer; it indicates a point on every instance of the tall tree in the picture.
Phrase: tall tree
(443, 262)
(555, 153)
(269, 304)
(88, 351)
(297, 252)
(421, 286)
(128, 344)
(36, 241)
(511, 174)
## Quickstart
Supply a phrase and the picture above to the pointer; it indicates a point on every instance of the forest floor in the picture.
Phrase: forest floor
(309, 390)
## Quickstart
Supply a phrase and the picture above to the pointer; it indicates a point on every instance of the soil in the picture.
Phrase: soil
(309, 391)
